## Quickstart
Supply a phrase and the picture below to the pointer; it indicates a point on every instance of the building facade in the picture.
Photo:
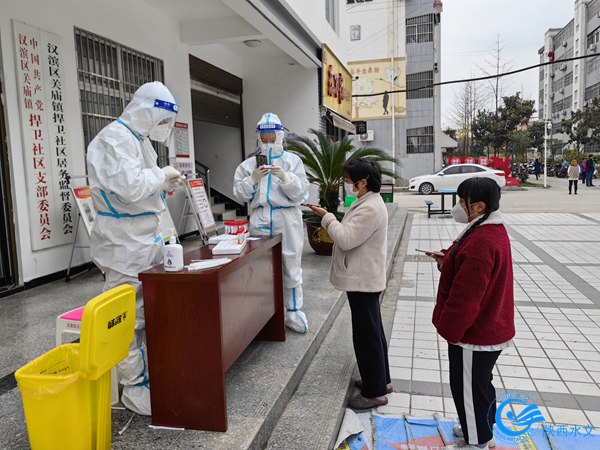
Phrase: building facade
(569, 86)
(396, 46)
(67, 68)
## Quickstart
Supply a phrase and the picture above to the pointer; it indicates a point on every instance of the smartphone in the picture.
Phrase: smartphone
(430, 252)
(261, 160)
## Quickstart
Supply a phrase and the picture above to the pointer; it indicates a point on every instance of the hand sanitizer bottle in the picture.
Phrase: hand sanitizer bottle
(173, 254)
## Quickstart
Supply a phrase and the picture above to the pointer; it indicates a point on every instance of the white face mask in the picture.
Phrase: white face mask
(349, 192)
(160, 133)
(459, 214)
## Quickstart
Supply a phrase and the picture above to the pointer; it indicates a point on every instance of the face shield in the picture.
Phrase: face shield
(270, 137)
(164, 114)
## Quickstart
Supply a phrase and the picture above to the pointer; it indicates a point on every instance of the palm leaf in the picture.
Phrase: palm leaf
(324, 161)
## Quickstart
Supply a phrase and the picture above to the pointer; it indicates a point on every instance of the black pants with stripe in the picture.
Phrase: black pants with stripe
(370, 345)
(473, 392)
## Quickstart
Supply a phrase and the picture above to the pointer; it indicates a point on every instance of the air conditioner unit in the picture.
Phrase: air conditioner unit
(564, 113)
(551, 74)
(585, 104)
(552, 95)
(561, 91)
(563, 67)
(592, 47)
(598, 14)
(367, 137)
(564, 44)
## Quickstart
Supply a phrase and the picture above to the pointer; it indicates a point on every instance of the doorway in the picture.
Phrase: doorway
(8, 273)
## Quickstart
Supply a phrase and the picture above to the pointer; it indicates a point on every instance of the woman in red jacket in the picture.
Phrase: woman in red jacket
(474, 311)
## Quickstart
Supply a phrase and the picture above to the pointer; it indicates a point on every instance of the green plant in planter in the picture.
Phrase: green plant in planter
(324, 162)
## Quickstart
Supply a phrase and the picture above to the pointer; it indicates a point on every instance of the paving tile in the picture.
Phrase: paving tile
(523, 384)
(566, 364)
(399, 399)
(575, 375)
(593, 418)
(567, 416)
(400, 361)
(426, 402)
(400, 373)
(551, 386)
(531, 361)
(425, 375)
(513, 371)
(420, 363)
(543, 374)
(584, 388)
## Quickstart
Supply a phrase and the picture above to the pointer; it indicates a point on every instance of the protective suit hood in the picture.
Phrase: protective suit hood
(151, 104)
(270, 123)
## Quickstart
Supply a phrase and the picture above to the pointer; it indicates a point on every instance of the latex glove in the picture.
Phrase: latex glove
(258, 174)
(279, 173)
(173, 179)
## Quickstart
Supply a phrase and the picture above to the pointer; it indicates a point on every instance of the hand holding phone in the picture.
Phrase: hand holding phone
(261, 160)
(430, 252)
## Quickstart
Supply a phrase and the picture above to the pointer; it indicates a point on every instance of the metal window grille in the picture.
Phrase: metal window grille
(419, 140)
(541, 74)
(568, 79)
(557, 106)
(592, 91)
(419, 29)
(593, 8)
(109, 73)
(419, 80)
(567, 101)
(557, 84)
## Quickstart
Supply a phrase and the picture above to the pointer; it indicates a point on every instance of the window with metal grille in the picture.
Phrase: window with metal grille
(558, 84)
(419, 29)
(541, 74)
(567, 102)
(419, 80)
(109, 73)
(419, 140)
(592, 91)
(569, 79)
(557, 106)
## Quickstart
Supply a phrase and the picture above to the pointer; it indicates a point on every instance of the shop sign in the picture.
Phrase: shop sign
(46, 151)
(337, 85)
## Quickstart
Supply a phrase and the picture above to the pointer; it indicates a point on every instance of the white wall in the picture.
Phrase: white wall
(132, 23)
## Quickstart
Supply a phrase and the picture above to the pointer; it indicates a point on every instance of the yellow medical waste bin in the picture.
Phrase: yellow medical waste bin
(66, 392)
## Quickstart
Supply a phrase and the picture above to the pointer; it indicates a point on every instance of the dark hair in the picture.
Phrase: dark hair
(361, 169)
(479, 189)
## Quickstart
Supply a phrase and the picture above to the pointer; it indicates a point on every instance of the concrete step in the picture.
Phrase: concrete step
(313, 416)
(218, 208)
(262, 381)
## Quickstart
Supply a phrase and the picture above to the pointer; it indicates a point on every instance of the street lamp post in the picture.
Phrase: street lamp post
(547, 126)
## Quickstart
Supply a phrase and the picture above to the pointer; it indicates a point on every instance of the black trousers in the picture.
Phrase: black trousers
(573, 183)
(370, 346)
(473, 393)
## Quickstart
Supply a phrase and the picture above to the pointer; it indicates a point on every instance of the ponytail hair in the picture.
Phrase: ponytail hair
(474, 190)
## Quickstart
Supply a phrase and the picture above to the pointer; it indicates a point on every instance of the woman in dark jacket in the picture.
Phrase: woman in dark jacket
(474, 310)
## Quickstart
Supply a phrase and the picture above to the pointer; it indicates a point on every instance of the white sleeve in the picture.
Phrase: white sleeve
(296, 185)
(243, 186)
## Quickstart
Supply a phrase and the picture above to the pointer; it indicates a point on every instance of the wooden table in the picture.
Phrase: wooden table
(198, 323)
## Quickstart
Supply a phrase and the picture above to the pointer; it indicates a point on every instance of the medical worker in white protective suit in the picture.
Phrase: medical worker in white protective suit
(274, 195)
(128, 191)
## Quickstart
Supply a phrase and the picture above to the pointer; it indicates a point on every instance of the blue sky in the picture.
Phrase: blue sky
(470, 29)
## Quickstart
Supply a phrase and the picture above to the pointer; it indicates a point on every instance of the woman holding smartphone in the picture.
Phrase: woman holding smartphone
(359, 251)
(474, 310)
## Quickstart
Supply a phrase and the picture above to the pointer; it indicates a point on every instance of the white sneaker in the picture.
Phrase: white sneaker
(459, 432)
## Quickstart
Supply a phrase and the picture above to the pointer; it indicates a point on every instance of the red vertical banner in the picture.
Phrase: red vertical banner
(36, 74)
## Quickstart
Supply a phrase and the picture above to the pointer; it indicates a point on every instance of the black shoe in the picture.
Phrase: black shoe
(361, 403)
(569, 193)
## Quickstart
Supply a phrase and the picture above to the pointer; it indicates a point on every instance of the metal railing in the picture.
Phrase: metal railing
(204, 172)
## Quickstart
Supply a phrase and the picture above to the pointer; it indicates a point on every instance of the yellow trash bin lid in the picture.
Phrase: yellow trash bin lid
(107, 328)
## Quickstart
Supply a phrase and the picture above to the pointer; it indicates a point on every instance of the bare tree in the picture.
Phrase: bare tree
(467, 101)
(495, 64)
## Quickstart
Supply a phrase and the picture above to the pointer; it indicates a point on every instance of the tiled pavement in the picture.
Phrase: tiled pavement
(556, 357)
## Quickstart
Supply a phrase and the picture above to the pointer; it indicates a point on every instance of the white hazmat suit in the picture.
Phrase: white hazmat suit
(128, 191)
(274, 196)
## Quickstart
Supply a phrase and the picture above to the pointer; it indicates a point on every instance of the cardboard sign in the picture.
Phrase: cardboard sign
(83, 200)
(200, 203)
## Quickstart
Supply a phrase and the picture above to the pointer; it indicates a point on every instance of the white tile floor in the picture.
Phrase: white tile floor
(556, 349)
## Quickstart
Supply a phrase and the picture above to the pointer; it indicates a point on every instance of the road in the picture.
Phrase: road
(554, 199)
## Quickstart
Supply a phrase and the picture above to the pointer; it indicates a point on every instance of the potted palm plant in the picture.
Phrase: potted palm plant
(324, 164)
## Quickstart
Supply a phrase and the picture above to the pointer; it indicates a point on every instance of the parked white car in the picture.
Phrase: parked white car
(450, 177)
